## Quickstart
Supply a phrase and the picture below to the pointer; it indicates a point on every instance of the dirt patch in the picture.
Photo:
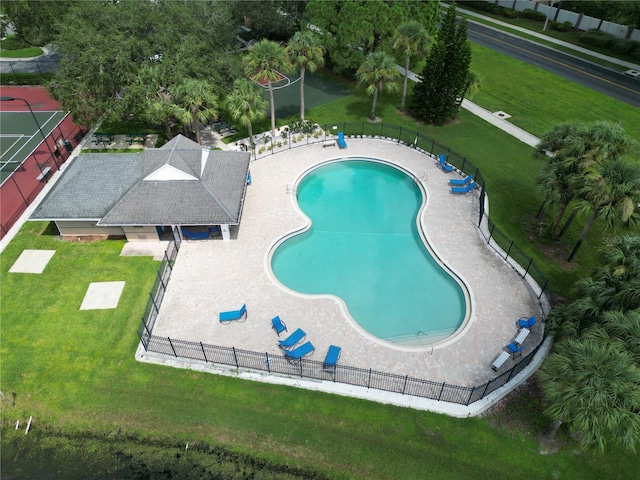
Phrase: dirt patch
(554, 251)
(91, 238)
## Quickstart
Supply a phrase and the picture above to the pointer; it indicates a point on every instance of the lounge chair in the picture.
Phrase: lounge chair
(278, 325)
(292, 339)
(297, 353)
(341, 141)
(234, 314)
(189, 235)
(215, 230)
(442, 163)
(513, 347)
(333, 354)
(498, 362)
(525, 322)
(249, 178)
(460, 181)
(522, 335)
(465, 189)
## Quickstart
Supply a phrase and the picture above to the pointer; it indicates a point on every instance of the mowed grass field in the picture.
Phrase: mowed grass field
(75, 370)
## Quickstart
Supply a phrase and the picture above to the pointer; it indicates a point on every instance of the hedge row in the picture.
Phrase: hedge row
(606, 41)
(25, 78)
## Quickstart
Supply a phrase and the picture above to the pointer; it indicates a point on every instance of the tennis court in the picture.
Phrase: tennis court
(318, 90)
(28, 115)
(21, 138)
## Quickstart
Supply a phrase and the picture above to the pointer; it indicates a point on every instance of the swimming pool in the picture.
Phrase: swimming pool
(364, 247)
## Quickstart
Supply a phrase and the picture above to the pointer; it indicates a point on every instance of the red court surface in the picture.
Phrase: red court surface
(19, 189)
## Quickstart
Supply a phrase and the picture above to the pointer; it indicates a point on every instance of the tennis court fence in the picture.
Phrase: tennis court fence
(312, 369)
(21, 186)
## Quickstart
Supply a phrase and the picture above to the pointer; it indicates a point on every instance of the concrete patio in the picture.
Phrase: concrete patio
(214, 275)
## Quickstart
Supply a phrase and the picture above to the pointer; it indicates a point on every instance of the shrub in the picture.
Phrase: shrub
(533, 15)
(12, 42)
(596, 38)
(482, 6)
(25, 78)
(510, 13)
(624, 46)
(560, 27)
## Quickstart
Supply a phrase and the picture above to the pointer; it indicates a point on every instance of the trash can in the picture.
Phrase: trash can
(67, 145)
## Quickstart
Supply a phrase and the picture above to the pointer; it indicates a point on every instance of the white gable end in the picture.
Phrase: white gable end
(168, 172)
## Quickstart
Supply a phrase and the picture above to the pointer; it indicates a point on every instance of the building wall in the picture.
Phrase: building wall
(141, 234)
(86, 229)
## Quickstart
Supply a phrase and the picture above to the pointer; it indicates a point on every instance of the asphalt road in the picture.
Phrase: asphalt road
(609, 82)
(43, 64)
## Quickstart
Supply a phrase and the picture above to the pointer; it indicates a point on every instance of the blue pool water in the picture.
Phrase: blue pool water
(364, 247)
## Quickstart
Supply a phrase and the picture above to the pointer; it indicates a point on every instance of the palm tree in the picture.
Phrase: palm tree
(194, 101)
(624, 326)
(378, 73)
(246, 103)
(578, 149)
(555, 183)
(611, 194)
(595, 388)
(612, 286)
(263, 64)
(306, 52)
(411, 39)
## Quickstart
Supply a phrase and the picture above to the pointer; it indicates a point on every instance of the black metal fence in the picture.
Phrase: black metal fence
(313, 369)
(507, 248)
(157, 291)
(20, 187)
(289, 138)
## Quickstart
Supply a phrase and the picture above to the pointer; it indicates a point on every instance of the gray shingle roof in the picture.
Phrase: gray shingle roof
(215, 199)
(112, 188)
(90, 186)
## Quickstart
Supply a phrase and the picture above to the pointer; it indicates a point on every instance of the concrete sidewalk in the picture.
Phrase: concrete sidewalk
(490, 117)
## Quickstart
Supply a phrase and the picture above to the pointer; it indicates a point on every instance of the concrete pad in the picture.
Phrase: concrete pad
(141, 249)
(102, 295)
(32, 261)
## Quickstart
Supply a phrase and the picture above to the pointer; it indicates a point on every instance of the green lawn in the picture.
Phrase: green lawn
(537, 99)
(11, 47)
(76, 370)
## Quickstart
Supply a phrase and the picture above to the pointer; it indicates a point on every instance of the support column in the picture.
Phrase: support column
(226, 234)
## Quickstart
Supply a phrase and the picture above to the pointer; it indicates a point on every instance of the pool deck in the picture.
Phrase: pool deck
(213, 276)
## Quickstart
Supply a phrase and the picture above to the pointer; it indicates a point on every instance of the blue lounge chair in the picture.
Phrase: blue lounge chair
(234, 314)
(442, 162)
(215, 230)
(297, 353)
(333, 354)
(292, 339)
(341, 142)
(189, 235)
(513, 347)
(278, 325)
(249, 178)
(461, 181)
(525, 322)
(465, 189)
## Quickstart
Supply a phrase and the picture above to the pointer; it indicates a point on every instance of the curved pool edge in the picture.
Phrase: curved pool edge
(469, 301)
